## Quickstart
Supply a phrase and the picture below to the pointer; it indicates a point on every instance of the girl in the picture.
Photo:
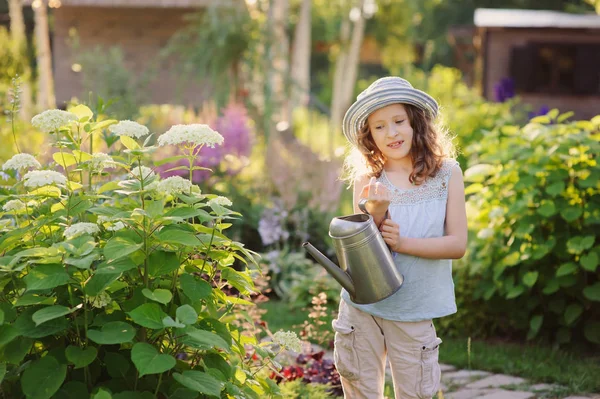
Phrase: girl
(415, 193)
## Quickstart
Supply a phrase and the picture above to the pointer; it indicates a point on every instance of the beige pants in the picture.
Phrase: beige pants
(362, 342)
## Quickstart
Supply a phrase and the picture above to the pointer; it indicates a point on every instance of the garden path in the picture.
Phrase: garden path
(475, 384)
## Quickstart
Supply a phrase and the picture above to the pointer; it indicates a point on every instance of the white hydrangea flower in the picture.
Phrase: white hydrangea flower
(32, 203)
(103, 219)
(21, 161)
(288, 339)
(144, 173)
(220, 200)
(174, 185)
(13, 205)
(116, 226)
(101, 161)
(195, 134)
(100, 300)
(129, 128)
(81, 228)
(52, 120)
(40, 178)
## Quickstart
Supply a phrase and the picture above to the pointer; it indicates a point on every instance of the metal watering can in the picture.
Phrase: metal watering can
(367, 270)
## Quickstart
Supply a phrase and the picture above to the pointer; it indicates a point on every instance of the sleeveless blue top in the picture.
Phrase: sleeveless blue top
(428, 288)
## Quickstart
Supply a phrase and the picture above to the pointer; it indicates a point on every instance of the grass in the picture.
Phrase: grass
(536, 363)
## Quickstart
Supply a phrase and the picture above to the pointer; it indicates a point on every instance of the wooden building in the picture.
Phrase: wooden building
(552, 59)
(140, 28)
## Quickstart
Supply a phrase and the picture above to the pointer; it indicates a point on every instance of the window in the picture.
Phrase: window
(556, 68)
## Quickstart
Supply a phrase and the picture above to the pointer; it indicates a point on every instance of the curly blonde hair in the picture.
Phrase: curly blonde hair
(431, 144)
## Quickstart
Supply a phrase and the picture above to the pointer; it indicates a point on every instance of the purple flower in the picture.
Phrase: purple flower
(504, 89)
(544, 109)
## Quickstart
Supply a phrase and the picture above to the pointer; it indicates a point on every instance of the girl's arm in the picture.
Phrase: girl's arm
(452, 245)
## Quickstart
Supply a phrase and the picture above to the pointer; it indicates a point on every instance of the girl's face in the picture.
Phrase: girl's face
(391, 131)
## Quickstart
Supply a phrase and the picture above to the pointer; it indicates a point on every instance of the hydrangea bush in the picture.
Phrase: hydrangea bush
(120, 285)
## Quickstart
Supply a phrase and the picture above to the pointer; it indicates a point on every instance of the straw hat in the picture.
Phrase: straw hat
(382, 92)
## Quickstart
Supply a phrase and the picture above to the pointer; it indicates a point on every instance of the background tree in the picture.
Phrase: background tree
(17, 33)
(45, 97)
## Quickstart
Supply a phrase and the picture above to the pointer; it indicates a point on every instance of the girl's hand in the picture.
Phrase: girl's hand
(378, 197)
(391, 234)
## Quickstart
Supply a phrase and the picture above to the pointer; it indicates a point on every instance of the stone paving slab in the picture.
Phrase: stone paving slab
(504, 394)
(446, 368)
(467, 394)
(462, 377)
(496, 381)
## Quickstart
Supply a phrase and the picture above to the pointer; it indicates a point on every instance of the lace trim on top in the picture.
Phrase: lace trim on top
(433, 188)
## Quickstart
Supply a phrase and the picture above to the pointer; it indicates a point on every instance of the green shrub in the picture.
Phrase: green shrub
(534, 210)
(299, 390)
(113, 283)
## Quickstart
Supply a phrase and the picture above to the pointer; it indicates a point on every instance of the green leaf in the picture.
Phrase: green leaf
(147, 360)
(148, 315)
(82, 263)
(119, 247)
(83, 113)
(118, 266)
(239, 280)
(592, 331)
(547, 209)
(169, 322)
(43, 378)
(81, 357)
(2, 371)
(572, 313)
(7, 333)
(44, 277)
(104, 124)
(571, 213)
(174, 235)
(101, 394)
(117, 365)
(99, 282)
(588, 241)
(530, 278)
(556, 188)
(200, 382)
(478, 173)
(33, 299)
(206, 339)
(566, 268)
(534, 326)
(161, 262)
(27, 328)
(592, 292)
(188, 212)
(578, 244)
(114, 332)
(515, 292)
(193, 288)
(64, 159)
(130, 143)
(72, 390)
(184, 393)
(186, 314)
(164, 161)
(590, 261)
(49, 313)
(159, 295)
(17, 350)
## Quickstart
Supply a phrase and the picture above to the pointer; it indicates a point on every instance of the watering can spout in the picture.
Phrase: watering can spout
(336, 272)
